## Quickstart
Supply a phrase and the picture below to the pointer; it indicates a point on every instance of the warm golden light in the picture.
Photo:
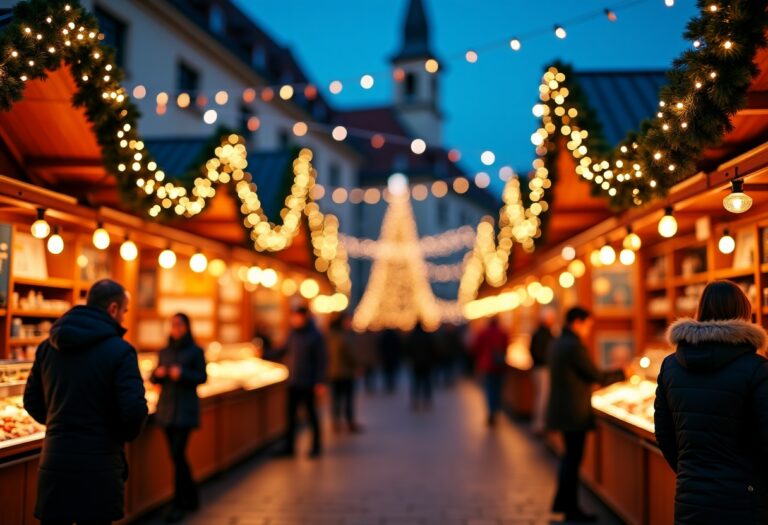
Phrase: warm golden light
(101, 238)
(627, 257)
(217, 267)
(198, 262)
(40, 228)
(726, 244)
(309, 288)
(55, 242)
(668, 224)
(128, 250)
(167, 259)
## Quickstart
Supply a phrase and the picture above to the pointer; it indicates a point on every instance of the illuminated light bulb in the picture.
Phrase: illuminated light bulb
(269, 278)
(632, 241)
(668, 224)
(418, 146)
(726, 244)
(545, 295)
(198, 263)
(40, 229)
(289, 287)
(366, 81)
(607, 255)
(286, 92)
(515, 44)
(560, 32)
(335, 87)
(101, 238)
(55, 242)
(397, 184)
(594, 258)
(253, 275)
(482, 179)
(210, 116)
(339, 133)
(300, 129)
(567, 279)
(471, 56)
(488, 158)
(431, 65)
(167, 259)
(737, 201)
(568, 253)
(669, 3)
(217, 267)
(727, 44)
(128, 250)
(627, 257)
(309, 288)
(139, 92)
(82, 261)
(610, 15)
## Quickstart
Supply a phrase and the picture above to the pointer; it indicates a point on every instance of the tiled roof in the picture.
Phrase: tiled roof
(622, 99)
(271, 171)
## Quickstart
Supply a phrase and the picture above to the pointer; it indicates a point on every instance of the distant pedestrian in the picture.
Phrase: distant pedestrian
(181, 367)
(420, 348)
(368, 357)
(450, 350)
(343, 364)
(712, 411)
(569, 410)
(85, 386)
(490, 350)
(305, 355)
(390, 355)
(540, 342)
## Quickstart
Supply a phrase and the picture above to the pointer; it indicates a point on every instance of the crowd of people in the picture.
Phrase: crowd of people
(711, 404)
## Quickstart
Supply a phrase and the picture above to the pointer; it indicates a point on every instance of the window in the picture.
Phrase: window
(115, 32)
(410, 86)
(188, 79)
(442, 212)
(216, 20)
(334, 175)
(259, 57)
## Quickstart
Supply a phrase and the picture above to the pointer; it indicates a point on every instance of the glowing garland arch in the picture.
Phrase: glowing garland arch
(44, 34)
(707, 86)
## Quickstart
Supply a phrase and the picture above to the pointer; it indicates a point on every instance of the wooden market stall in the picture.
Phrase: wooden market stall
(634, 303)
(50, 161)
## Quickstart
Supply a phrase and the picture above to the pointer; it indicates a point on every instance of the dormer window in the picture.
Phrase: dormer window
(410, 86)
(259, 57)
(216, 20)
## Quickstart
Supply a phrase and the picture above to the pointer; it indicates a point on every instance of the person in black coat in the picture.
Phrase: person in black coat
(181, 367)
(712, 412)
(539, 349)
(569, 410)
(306, 356)
(85, 386)
(420, 347)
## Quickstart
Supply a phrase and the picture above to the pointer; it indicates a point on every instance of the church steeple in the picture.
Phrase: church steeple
(416, 89)
(415, 34)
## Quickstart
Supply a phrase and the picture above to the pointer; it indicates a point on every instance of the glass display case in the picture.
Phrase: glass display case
(631, 401)
(229, 367)
(15, 423)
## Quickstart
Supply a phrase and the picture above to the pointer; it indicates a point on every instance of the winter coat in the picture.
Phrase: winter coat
(179, 405)
(490, 349)
(305, 355)
(572, 375)
(539, 348)
(390, 349)
(421, 351)
(341, 353)
(86, 388)
(712, 421)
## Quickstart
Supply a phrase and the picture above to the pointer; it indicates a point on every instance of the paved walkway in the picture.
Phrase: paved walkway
(442, 467)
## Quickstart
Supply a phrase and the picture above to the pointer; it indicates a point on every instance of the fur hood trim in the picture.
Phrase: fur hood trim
(732, 331)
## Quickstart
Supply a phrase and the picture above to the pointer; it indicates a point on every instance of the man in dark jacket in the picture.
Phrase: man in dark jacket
(86, 388)
(306, 357)
(420, 348)
(539, 349)
(570, 409)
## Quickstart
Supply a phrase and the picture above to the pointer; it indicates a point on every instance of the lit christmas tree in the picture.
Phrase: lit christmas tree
(398, 293)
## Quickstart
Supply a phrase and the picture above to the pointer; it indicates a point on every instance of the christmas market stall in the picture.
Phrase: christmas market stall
(656, 215)
(83, 197)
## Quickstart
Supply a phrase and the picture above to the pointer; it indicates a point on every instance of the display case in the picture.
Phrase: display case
(16, 425)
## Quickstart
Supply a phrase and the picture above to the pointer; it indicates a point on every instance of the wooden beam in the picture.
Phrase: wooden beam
(757, 104)
(62, 162)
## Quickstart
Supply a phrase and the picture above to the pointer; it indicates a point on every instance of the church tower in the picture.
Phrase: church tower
(416, 89)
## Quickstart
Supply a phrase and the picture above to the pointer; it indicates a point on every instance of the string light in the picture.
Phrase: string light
(128, 250)
(198, 262)
(217, 268)
(40, 229)
(607, 255)
(418, 146)
(560, 32)
(726, 244)
(269, 278)
(366, 81)
(167, 259)
(567, 279)
(55, 243)
(309, 288)
(627, 257)
(632, 241)
(568, 253)
(737, 201)
(101, 238)
(668, 224)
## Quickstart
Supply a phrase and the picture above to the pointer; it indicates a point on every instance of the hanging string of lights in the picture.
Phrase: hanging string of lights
(440, 245)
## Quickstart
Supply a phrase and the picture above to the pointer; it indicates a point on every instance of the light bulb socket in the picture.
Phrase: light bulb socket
(737, 186)
(41, 214)
(669, 210)
(56, 230)
(726, 233)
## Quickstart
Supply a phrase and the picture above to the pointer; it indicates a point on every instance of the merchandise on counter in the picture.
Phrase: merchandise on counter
(15, 422)
(659, 306)
(657, 272)
(689, 301)
(35, 301)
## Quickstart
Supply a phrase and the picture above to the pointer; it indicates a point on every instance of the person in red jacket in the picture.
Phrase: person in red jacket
(490, 350)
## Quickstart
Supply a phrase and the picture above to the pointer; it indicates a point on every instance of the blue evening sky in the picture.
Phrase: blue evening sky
(487, 104)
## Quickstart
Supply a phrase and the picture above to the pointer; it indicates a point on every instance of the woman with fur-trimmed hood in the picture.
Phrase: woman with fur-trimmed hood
(712, 411)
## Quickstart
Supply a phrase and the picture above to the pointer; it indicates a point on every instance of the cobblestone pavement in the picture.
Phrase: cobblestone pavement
(442, 467)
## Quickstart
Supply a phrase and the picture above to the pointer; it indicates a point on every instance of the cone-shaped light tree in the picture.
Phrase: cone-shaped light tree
(398, 293)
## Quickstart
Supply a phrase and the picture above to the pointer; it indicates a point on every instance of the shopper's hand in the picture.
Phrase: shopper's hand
(175, 372)
(321, 390)
(161, 372)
